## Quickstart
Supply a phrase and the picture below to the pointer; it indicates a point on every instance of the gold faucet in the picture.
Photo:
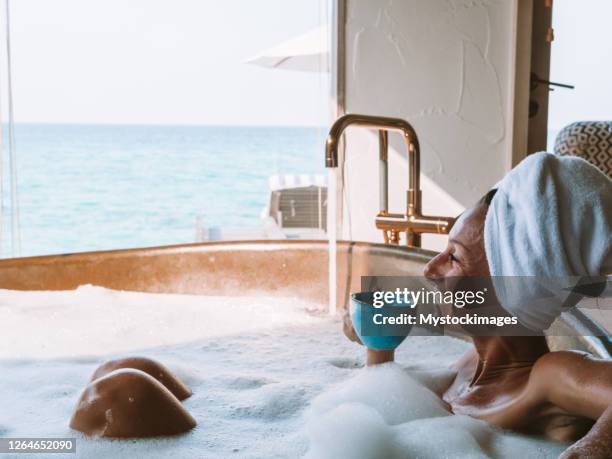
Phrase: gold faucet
(413, 222)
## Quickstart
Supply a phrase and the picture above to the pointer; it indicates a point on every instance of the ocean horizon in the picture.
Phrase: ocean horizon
(89, 187)
(86, 187)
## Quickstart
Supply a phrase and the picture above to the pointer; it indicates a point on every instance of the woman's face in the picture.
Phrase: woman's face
(465, 253)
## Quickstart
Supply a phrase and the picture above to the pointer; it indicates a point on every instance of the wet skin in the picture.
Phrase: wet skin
(152, 368)
(131, 398)
(517, 382)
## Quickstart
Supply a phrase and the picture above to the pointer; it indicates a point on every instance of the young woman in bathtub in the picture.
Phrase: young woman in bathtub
(517, 382)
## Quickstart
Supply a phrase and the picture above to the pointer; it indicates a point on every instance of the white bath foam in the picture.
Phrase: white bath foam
(452, 436)
(388, 389)
(466, 437)
(386, 407)
(49, 324)
(351, 430)
(253, 378)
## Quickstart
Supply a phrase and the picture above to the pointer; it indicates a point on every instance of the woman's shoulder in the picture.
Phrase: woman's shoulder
(563, 360)
(559, 373)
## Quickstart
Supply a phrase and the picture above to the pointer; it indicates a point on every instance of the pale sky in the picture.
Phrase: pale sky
(581, 55)
(181, 62)
(161, 61)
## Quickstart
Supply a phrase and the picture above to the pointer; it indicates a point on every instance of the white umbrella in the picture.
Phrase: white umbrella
(308, 52)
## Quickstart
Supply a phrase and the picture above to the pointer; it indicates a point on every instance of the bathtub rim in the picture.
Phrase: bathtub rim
(596, 338)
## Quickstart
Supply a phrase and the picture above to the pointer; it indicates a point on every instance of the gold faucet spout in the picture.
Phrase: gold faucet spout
(413, 223)
(382, 123)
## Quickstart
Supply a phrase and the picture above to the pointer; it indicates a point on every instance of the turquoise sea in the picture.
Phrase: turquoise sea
(95, 187)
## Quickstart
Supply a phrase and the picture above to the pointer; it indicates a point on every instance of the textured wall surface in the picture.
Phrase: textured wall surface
(448, 68)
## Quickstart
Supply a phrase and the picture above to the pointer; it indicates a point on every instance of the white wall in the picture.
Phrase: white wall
(448, 68)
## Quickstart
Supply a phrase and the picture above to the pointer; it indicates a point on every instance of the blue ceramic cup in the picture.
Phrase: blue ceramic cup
(362, 309)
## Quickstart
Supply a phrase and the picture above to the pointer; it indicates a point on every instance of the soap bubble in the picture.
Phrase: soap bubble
(389, 389)
(351, 431)
(386, 412)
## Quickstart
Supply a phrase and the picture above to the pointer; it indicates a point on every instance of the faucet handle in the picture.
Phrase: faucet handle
(391, 236)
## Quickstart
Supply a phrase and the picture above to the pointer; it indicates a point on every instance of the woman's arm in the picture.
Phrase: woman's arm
(580, 385)
(597, 444)
(576, 382)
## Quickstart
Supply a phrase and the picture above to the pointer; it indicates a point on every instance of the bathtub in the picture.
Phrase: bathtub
(296, 268)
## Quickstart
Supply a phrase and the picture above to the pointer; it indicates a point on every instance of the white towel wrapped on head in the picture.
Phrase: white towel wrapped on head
(551, 218)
